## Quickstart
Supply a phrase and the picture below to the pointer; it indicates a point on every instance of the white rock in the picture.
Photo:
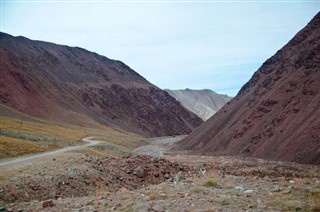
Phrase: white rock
(249, 191)
(240, 188)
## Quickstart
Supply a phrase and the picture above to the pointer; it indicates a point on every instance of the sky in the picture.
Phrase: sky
(210, 44)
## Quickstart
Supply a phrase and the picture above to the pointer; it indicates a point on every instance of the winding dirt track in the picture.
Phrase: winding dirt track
(157, 148)
(12, 163)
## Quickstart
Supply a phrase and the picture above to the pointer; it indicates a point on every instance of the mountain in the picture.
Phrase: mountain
(77, 86)
(203, 103)
(276, 114)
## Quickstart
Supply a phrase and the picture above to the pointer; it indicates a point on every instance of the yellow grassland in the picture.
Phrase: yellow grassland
(12, 147)
(24, 136)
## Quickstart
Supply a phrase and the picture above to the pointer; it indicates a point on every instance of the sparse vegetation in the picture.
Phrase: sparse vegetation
(315, 198)
(210, 183)
(225, 202)
(24, 137)
(20, 137)
(197, 190)
(187, 181)
(154, 196)
(315, 195)
(315, 208)
(12, 147)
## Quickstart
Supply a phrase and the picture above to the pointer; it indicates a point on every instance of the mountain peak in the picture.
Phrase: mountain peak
(203, 103)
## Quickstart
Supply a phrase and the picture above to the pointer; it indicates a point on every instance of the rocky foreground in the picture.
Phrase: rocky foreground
(80, 182)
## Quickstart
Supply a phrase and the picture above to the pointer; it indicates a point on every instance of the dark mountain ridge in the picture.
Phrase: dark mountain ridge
(74, 85)
(276, 114)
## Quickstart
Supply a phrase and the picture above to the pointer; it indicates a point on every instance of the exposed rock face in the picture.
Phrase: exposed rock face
(203, 103)
(276, 115)
(72, 84)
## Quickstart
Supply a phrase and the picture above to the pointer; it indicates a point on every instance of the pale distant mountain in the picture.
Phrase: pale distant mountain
(203, 103)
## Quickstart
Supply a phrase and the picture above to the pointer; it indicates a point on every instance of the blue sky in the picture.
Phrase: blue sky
(214, 45)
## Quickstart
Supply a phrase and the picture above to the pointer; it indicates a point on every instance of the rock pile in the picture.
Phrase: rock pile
(84, 176)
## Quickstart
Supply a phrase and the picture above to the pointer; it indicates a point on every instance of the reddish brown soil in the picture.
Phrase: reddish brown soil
(89, 173)
(276, 115)
(74, 85)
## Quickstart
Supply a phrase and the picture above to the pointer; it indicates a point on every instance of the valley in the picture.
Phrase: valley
(82, 132)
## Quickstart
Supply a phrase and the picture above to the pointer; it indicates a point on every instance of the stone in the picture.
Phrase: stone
(287, 191)
(102, 202)
(127, 155)
(155, 160)
(139, 172)
(259, 202)
(275, 188)
(249, 191)
(47, 203)
(157, 208)
(141, 207)
(163, 196)
(123, 189)
(177, 178)
(239, 188)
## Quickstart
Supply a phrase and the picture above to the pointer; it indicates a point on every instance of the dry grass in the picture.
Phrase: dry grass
(315, 195)
(25, 136)
(210, 183)
(20, 137)
(154, 195)
(315, 208)
(12, 147)
(197, 190)
(315, 199)
(127, 140)
(38, 128)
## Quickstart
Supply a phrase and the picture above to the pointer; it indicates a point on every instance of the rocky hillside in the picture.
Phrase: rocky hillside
(276, 114)
(77, 86)
(204, 103)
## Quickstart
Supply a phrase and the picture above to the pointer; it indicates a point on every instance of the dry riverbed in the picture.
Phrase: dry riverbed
(78, 181)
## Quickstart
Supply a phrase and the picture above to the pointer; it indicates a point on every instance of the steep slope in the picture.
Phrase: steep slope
(203, 103)
(77, 86)
(276, 114)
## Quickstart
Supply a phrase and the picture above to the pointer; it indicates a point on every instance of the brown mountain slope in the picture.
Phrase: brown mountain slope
(276, 115)
(77, 86)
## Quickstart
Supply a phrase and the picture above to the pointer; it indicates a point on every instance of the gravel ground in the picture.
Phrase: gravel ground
(76, 181)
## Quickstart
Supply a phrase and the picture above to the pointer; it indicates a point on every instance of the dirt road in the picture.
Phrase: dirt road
(158, 146)
(20, 160)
